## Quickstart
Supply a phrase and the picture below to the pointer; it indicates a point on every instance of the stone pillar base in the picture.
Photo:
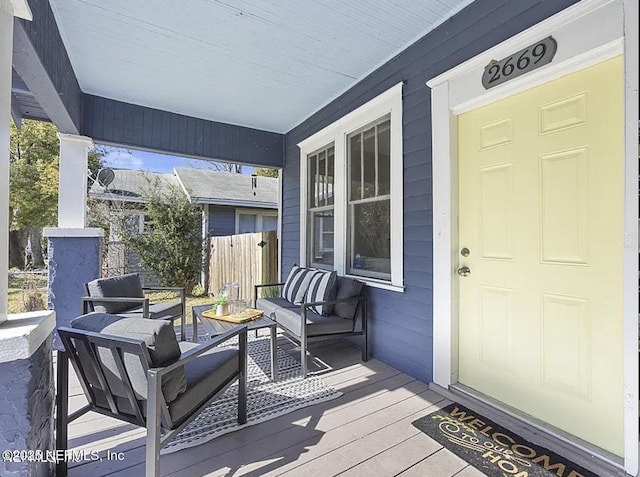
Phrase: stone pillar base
(26, 392)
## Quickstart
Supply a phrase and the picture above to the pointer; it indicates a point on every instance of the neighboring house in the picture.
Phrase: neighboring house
(476, 168)
(230, 204)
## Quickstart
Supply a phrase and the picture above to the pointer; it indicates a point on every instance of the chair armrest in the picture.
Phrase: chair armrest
(193, 353)
(144, 302)
(177, 289)
(269, 285)
(263, 285)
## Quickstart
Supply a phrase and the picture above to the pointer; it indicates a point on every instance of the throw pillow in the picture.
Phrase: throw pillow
(160, 339)
(347, 288)
(322, 287)
(295, 287)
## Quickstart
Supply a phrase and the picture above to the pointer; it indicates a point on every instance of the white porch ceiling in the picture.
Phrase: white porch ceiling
(267, 64)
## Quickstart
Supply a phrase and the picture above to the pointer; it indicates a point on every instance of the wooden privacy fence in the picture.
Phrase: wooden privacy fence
(248, 259)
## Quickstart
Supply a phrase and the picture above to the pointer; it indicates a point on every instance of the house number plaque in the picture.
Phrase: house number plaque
(519, 63)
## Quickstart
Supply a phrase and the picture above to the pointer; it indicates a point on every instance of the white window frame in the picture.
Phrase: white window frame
(259, 213)
(320, 209)
(387, 103)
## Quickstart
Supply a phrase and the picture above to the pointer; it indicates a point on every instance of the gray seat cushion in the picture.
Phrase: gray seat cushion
(160, 339)
(290, 320)
(269, 305)
(126, 286)
(169, 309)
(347, 288)
(205, 375)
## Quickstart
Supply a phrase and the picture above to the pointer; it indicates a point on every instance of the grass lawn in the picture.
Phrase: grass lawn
(29, 292)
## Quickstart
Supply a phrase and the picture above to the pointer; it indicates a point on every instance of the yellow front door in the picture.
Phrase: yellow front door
(541, 214)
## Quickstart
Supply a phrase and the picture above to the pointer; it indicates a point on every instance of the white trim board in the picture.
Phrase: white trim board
(588, 32)
(388, 102)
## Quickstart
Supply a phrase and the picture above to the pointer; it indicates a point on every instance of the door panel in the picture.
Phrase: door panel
(541, 203)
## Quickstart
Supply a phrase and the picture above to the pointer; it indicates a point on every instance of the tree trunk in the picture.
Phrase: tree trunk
(17, 245)
(36, 247)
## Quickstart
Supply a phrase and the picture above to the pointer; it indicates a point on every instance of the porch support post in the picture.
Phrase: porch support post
(8, 10)
(6, 42)
(72, 194)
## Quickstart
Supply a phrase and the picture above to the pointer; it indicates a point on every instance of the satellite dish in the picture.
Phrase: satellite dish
(105, 177)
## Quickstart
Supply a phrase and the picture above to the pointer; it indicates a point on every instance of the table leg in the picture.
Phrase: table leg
(274, 350)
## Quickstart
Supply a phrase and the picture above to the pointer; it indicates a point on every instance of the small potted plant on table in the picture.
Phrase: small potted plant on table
(222, 305)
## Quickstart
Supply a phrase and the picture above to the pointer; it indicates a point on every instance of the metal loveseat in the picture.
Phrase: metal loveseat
(315, 305)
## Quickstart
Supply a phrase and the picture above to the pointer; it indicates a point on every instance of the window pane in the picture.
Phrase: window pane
(246, 223)
(269, 223)
(369, 163)
(321, 185)
(313, 193)
(384, 155)
(371, 239)
(355, 149)
(322, 233)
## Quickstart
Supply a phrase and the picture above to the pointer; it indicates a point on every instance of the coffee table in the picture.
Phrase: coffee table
(216, 327)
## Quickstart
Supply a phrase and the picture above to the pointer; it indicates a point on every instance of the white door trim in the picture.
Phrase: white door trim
(587, 33)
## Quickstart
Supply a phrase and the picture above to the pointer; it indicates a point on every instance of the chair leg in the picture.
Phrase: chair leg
(303, 355)
(62, 409)
(242, 380)
(365, 343)
(152, 468)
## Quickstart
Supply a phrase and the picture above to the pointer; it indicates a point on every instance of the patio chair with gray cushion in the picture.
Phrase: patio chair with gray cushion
(136, 371)
(317, 306)
(124, 295)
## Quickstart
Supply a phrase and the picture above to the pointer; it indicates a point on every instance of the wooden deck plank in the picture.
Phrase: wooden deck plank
(395, 459)
(442, 463)
(367, 449)
(291, 449)
(470, 471)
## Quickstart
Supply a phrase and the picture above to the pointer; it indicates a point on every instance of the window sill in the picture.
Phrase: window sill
(372, 282)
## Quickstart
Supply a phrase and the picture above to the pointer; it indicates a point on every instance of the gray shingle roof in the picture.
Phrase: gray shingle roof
(128, 185)
(201, 186)
(217, 187)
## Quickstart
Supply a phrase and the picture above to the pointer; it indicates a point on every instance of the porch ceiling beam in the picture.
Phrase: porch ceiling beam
(117, 123)
(41, 61)
(16, 112)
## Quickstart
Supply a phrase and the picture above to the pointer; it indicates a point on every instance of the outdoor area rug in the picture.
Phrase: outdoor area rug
(265, 399)
(492, 449)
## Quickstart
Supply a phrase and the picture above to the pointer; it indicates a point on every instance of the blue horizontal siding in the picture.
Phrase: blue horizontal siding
(47, 44)
(401, 324)
(116, 123)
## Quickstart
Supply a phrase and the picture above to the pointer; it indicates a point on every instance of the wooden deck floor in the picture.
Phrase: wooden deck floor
(365, 432)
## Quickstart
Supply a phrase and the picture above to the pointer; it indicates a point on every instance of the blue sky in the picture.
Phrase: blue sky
(149, 161)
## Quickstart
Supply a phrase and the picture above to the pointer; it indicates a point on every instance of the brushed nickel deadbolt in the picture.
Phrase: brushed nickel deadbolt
(464, 252)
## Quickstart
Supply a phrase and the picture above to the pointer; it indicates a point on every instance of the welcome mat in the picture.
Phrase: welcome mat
(266, 399)
(493, 449)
